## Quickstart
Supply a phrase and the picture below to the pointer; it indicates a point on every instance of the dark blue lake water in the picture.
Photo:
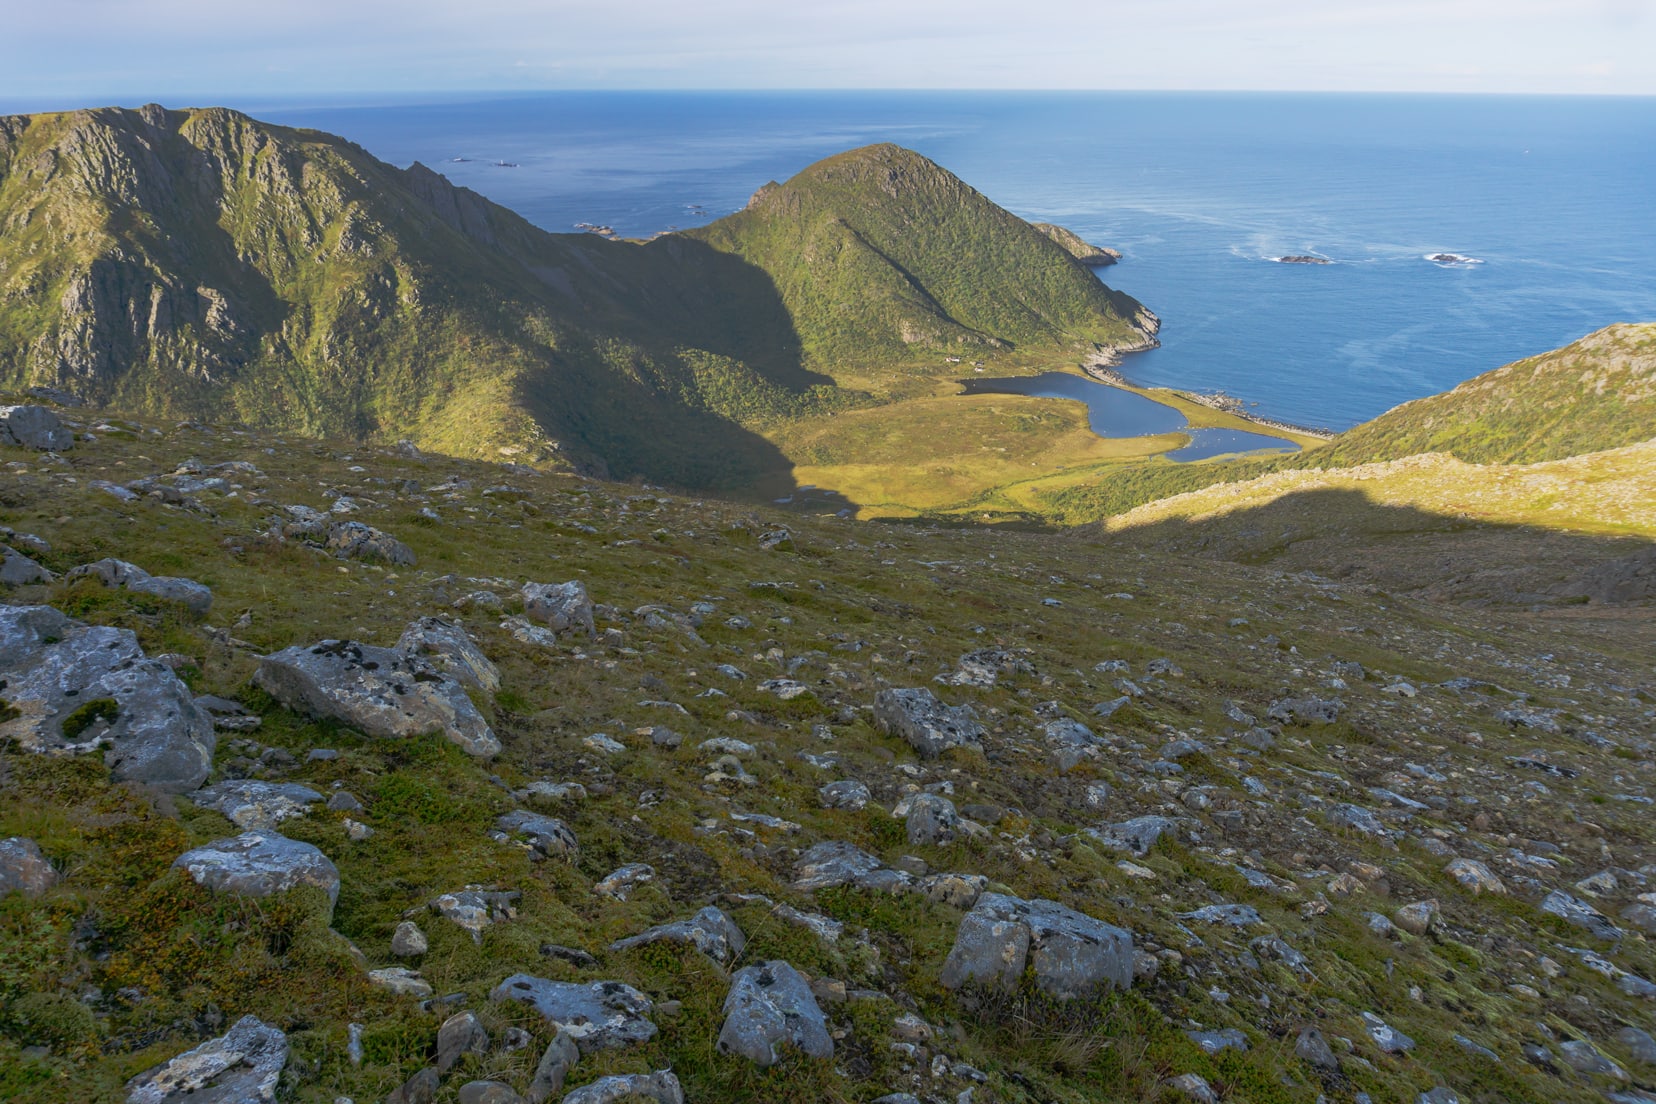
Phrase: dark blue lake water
(1554, 195)
(1113, 412)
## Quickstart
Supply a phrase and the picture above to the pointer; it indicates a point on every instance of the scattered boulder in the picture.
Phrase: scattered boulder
(1358, 819)
(835, 863)
(34, 427)
(1418, 918)
(487, 1092)
(1475, 876)
(660, 1087)
(16, 569)
(549, 836)
(23, 869)
(447, 647)
(1305, 710)
(931, 818)
(1312, 1049)
(1137, 835)
(195, 597)
(1583, 1057)
(476, 907)
(1574, 910)
(242, 1066)
(710, 931)
(1639, 1045)
(1072, 954)
(619, 883)
(461, 1034)
(845, 794)
(258, 864)
(929, 726)
(985, 666)
(78, 688)
(1195, 1086)
(561, 1054)
(250, 804)
(401, 981)
(1386, 1037)
(1232, 916)
(354, 540)
(770, 1005)
(408, 941)
(384, 693)
(596, 1015)
(1212, 1042)
(561, 607)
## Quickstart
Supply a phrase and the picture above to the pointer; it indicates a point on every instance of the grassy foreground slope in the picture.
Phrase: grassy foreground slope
(1520, 740)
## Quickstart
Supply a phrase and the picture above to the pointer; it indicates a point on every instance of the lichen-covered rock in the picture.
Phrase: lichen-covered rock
(476, 907)
(384, 693)
(710, 931)
(547, 835)
(596, 1015)
(1386, 1037)
(1305, 710)
(560, 1056)
(34, 427)
(242, 1066)
(401, 981)
(80, 688)
(250, 804)
(195, 597)
(620, 882)
(23, 869)
(929, 726)
(660, 1087)
(461, 1034)
(845, 794)
(258, 864)
(835, 863)
(446, 646)
(1417, 918)
(561, 607)
(354, 540)
(1072, 953)
(769, 1006)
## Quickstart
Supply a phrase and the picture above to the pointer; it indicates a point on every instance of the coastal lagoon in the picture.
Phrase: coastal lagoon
(1116, 412)
(1200, 191)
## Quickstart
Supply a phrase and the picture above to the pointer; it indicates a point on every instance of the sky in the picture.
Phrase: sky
(80, 52)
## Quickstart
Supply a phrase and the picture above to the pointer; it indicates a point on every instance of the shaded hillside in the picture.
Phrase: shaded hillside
(882, 256)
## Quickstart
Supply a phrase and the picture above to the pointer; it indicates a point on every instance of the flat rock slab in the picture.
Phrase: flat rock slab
(242, 1066)
(258, 864)
(1072, 954)
(34, 427)
(1137, 835)
(24, 869)
(596, 1015)
(383, 692)
(446, 646)
(929, 726)
(54, 668)
(16, 569)
(770, 1006)
(835, 863)
(710, 931)
(250, 804)
(549, 836)
(1574, 910)
(660, 1087)
(125, 576)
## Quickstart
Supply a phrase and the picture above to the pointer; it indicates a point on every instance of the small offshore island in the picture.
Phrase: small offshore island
(1302, 258)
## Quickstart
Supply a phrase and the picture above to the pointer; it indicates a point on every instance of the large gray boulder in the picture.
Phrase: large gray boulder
(660, 1087)
(1137, 835)
(929, 726)
(242, 1066)
(23, 869)
(710, 931)
(596, 1015)
(259, 864)
(250, 804)
(1072, 953)
(769, 1006)
(383, 692)
(198, 599)
(561, 607)
(446, 646)
(57, 670)
(34, 427)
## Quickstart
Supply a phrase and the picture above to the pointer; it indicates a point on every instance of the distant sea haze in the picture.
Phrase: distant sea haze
(1537, 210)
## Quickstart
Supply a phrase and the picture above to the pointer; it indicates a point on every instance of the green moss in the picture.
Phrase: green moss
(89, 714)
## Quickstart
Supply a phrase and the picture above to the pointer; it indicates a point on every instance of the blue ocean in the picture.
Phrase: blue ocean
(1550, 202)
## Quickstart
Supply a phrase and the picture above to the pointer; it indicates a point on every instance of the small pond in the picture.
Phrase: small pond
(1113, 412)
